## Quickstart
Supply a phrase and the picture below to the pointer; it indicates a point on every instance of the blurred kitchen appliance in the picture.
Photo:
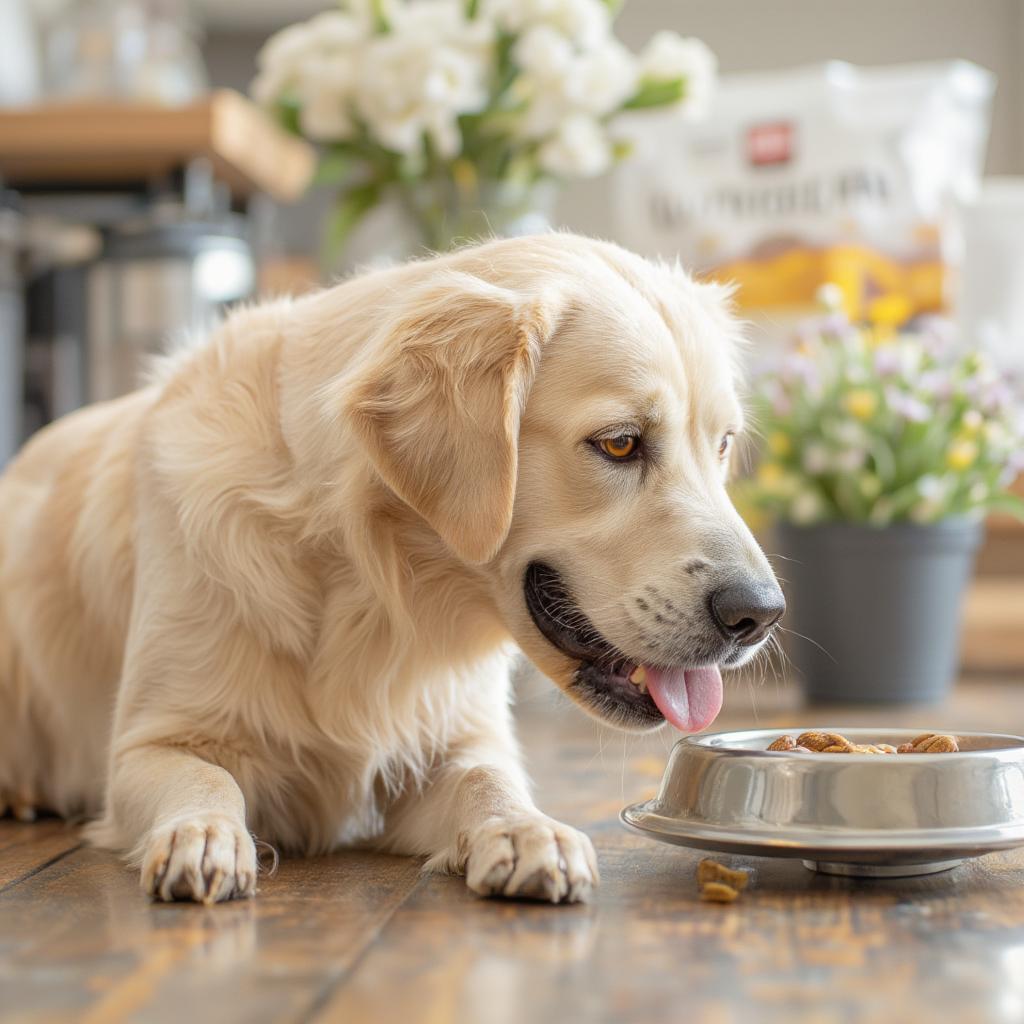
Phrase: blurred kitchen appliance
(138, 50)
(12, 324)
(990, 301)
(55, 343)
(154, 285)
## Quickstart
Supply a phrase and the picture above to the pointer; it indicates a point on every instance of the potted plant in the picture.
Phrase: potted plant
(468, 114)
(884, 451)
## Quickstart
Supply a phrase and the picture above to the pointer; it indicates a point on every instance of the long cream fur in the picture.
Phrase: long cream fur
(274, 591)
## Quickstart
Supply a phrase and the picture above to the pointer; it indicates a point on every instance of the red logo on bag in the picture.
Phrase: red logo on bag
(770, 143)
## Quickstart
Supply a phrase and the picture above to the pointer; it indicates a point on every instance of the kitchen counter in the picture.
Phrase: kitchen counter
(360, 937)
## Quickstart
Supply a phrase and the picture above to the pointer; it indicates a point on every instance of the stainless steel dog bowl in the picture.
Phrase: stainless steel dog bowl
(847, 814)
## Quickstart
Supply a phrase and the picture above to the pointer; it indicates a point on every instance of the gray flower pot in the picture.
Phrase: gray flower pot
(880, 608)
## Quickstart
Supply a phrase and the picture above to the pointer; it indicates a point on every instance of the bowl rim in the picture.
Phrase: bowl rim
(803, 842)
(707, 741)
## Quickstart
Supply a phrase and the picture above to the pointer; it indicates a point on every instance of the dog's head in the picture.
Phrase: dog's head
(563, 414)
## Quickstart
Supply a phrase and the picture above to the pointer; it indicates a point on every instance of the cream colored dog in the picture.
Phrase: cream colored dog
(274, 590)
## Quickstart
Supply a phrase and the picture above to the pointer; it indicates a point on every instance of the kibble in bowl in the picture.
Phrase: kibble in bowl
(837, 743)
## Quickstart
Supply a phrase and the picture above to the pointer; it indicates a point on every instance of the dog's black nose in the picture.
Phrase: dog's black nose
(746, 612)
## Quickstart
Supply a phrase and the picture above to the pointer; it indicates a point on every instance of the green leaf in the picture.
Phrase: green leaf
(381, 25)
(472, 9)
(335, 166)
(349, 211)
(657, 94)
(286, 112)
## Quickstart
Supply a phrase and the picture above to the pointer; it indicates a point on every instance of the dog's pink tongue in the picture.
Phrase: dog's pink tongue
(690, 699)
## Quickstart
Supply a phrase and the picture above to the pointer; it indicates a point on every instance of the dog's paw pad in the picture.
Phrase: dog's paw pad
(206, 858)
(531, 857)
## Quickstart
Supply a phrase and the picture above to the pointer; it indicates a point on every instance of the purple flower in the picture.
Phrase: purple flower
(938, 383)
(887, 361)
(906, 405)
(938, 335)
(799, 369)
(836, 325)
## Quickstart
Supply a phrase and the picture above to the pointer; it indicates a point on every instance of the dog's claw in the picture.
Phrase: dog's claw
(531, 857)
(206, 858)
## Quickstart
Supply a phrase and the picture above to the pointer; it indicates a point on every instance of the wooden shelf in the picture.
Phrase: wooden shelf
(81, 143)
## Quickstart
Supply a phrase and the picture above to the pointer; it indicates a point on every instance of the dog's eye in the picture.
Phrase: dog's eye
(725, 444)
(623, 447)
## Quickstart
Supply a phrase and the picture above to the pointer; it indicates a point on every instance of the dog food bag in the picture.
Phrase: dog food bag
(829, 173)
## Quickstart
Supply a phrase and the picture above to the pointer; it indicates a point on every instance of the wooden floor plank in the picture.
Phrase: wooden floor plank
(25, 848)
(78, 942)
(359, 937)
(798, 947)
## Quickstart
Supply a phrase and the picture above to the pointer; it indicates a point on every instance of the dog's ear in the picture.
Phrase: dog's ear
(439, 412)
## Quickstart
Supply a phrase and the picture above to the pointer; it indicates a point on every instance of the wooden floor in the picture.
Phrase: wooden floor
(364, 938)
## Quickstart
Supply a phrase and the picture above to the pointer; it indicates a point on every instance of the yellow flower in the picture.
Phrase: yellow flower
(861, 403)
(961, 454)
(770, 474)
(779, 444)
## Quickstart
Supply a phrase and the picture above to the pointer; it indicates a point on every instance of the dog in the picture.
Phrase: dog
(277, 590)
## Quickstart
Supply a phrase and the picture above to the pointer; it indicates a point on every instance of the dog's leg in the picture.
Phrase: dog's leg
(477, 818)
(183, 821)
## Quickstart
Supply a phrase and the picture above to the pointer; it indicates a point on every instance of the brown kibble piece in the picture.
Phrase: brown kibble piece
(930, 743)
(711, 871)
(835, 743)
(718, 892)
(825, 742)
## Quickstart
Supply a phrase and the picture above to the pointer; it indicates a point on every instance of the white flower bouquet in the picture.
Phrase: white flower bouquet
(460, 107)
(875, 426)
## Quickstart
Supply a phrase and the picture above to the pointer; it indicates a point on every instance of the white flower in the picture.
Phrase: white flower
(849, 432)
(543, 52)
(585, 22)
(935, 491)
(416, 80)
(337, 30)
(806, 508)
(973, 421)
(581, 149)
(830, 296)
(560, 84)
(668, 57)
(850, 459)
(286, 48)
(316, 64)
(816, 458)
(602, 79)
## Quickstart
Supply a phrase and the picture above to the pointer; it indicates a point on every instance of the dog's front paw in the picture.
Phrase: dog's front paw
(203, 857)
(530, 856)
